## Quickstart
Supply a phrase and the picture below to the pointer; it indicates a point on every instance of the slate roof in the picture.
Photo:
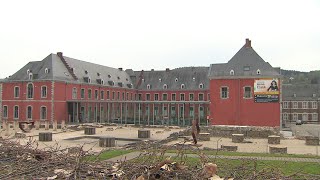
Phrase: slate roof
(245, 57)
(58, 71)
(191, 77)
(302, 92)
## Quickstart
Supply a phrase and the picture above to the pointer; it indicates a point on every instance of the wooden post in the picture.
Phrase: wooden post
(107, 142)
(89, 130)
(143, 133)
(45, 136)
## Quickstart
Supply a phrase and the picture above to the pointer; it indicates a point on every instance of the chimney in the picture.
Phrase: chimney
(248, 43)
(120, 69)
(60, 54)
(152, 69)
(167, 69)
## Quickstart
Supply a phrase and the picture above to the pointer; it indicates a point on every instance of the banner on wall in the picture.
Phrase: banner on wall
(266, 90)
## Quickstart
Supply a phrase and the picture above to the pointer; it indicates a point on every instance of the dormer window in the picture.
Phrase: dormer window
(127, 79)
(294, 95)
(182, 86)
(46, 70)
(102, 82)
(148, 86)
(98, 74)
(258, 72)
(160, 79)
(118, 77)
(142, 80)
(111, 83)
(165, 86)
(176, 80)
(89, 80)
(232, 72)
(30, 76)
(193, 79)
(86, 72)
(109, 76)
(201, 86)
(28, 71)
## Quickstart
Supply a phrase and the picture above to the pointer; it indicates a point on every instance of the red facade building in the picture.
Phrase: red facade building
(239, 91)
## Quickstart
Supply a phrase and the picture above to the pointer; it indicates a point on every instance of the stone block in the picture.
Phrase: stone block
(204, 136)
(89, 130)
(237, 138)
(143, 133)
(273, 139)
(314, 141)
(229, 148)
(277, 150)
(45, 136)
(107, 142)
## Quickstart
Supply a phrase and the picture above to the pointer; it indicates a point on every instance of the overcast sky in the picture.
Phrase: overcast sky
(159, 34)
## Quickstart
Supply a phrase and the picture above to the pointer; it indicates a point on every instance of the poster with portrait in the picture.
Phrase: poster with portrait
(266, 90)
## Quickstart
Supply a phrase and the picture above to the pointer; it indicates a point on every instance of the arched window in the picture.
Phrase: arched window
(28, 71)
(182, 86)
(89, 80)
(43, 113)
(148, 86)
(30, 76)
(232, 72)
(176, 80)
(201, 86)
(258, 72)
(30, 90)
(16, 112)
(165, 86)
(29, 112)
(74, 93)
(46, 70)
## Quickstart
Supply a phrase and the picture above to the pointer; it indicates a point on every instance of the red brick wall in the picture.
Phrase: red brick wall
(237, 110)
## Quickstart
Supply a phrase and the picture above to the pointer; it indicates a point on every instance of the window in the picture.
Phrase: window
(285, 116)
(16, 112)
(191, 112)
(173, 110)
(315, 116)
(29, 112)
(148, 86)
(156, 97)
(96, 94)
(16, 92)
(182, 97)
(295, 117)
(165, 86)
(43, 113)
(247, 92)
(108, 94)
(182, 86)
(30, 76)
(165, 111)
(173, 97)
(46, 70)
(30, 91)
(232, 73)
(246, 68)
(285, 105)
(113, 95)
(89, 80)
(304, 105)
(5, 112)
(176, 80)
(123, 96)
(201, 97)
(224, 93)
(118, 96)
(140, 97)
(127, 96)
(164, 97)
(89, 93)
(295, 105)
(201, 86)
(305, 117)
(102, 95)
(258, 72)
(191, 97)
(314, 105)
(74, 93)
(43, 91)
(148, 97)
(82, 93)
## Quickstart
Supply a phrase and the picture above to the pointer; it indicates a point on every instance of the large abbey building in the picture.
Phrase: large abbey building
(244, 91)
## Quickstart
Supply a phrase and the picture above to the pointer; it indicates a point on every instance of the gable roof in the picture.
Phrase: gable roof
(245, 63)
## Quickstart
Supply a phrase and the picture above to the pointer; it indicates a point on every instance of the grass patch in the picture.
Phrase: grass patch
(108, 155)
(226, 153)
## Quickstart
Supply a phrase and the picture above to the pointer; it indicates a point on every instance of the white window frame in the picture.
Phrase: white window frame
(14, 112)
(28, 91)
(42, 96)
(201, 86)
(164, 99)
(294, 116)
(30, 76)
(231, 72)
(14, 91)
(199, 97)
(304, 104)
(84, 93)
(5, 115)
(285, 105)
(74, 93)
(314, 105)
(102, 94)
(305, 117)
(165, 86)
(28, 112)
(183, 86)
(190, 96)
(175, 97)
(315, 116)
(156, 95)
(285, 116)
(148, 86)
(244, 92)
(221, 95)
(89, 93)
(46, 70)
(184, 96)
(41, 118)
(96, 94)
(148, 99)
(295, 104)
